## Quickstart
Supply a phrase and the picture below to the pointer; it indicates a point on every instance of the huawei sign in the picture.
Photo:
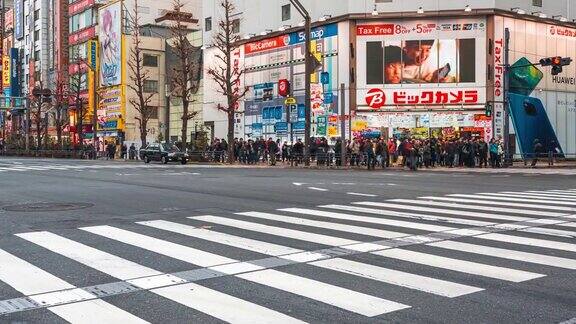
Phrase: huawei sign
(376, 98)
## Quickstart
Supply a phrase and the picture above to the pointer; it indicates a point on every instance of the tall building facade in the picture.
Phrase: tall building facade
(408, 68)
(117, 121)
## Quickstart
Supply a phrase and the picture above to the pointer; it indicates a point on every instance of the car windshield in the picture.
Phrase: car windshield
(170, 148)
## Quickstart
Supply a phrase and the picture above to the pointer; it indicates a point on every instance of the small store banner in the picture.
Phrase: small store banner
(321, 124)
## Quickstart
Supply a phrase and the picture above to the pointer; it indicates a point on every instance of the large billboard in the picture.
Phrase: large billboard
(551, 96)
(110, 36)
(425, 63)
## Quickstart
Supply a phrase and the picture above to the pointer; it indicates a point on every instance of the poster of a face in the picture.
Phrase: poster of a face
(110, 19)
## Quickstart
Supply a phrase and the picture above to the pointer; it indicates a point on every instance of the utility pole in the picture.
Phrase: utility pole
(2, 27)
(507, 154)
(343, 124)
(2, 35)
(308, 78)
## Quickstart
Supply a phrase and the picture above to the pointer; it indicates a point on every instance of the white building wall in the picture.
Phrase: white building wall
(257, 16)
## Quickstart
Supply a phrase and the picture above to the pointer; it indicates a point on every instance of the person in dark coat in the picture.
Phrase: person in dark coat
(369, 153)
(482, 154)
(538, 150)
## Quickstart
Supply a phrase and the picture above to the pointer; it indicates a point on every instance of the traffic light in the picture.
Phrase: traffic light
(557, 62)
(488, 110)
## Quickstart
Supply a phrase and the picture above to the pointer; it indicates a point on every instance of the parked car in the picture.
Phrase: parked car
(164, 153)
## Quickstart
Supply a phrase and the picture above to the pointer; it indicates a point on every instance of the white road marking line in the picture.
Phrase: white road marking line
(206, 259)
(421, 226)
(467, 232)
(47, 289)
(463, 266)
(487, 208)
(537, 196)
(529, 241)
(547, 260)
(406, 255)
(326, 225)
(552, 194)
(222, 306)
(211, 302)
(317, 189)
(478, 196)
(340, 297)
(398, 278)
(472, 202)
(444, 211)
(361, 194)
(273, 230)
(561, 192)
(222, 238)
(181, 252)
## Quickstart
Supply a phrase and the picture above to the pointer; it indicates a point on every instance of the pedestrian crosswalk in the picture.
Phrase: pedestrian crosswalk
(442, 247)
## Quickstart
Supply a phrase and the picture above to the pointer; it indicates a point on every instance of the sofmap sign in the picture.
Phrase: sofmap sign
(291, 39)
(19, 19)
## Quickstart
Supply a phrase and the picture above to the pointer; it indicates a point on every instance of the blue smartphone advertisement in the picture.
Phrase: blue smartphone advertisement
(531, 123)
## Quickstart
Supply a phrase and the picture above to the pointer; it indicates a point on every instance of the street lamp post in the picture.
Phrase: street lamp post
(308, 78)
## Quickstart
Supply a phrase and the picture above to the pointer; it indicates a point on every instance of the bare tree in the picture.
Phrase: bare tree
(227, 72)
(60, 102)
(184, 80)
(36, 119)
(77, 86)
(139, 77)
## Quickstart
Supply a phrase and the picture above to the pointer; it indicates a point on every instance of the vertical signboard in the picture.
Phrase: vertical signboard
(93, 62)
(19, 19)
(110, 24)
(14, 64)
(498, 113)
(5, 71)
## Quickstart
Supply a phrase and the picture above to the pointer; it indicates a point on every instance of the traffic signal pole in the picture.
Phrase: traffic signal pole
(507, 154)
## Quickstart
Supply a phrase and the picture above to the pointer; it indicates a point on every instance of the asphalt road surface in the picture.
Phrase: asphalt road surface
(115, 242)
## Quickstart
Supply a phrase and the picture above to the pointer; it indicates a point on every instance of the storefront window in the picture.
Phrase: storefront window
(374, 63)
(467, 59)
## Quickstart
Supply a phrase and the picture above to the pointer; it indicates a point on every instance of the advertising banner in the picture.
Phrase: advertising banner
(93, 62)
(110, 36)
(14, 75)
(542, 105)
(6, 71)
(426, 63)
(110, 108)
(18, 19)
(290, 39)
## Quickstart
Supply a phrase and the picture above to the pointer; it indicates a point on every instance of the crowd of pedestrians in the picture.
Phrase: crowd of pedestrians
(366, 152)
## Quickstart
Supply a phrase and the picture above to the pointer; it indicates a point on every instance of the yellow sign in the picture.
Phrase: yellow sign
(290, 101)
(333, 131)
(359, 125)
(5, 71)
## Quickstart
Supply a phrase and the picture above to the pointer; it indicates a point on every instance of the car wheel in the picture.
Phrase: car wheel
(184, 161)
(164, 160)
(146, 159)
